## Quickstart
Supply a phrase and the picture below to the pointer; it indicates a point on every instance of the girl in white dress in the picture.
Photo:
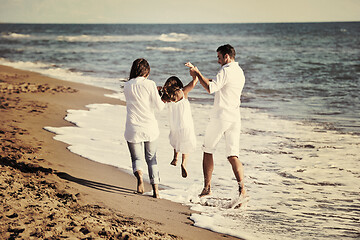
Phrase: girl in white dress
(182, 135)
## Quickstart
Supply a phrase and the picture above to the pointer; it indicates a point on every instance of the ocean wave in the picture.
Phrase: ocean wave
(10, 51)
(165, 49)
(67, 74)
(170, 37)
(25, 65)
(269, 91)
(10, 35)
(329, 113)
(174, 37)
(51, 70)
(107, 38)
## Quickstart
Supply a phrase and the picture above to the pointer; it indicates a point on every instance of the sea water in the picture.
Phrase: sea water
(300, 115)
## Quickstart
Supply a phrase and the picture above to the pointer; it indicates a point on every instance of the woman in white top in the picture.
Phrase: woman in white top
(141, 130)
(182, 135)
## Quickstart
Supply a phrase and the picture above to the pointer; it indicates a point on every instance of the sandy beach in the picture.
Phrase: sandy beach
(49, 192)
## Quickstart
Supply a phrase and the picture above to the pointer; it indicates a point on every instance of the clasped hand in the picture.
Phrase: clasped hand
(193, 70)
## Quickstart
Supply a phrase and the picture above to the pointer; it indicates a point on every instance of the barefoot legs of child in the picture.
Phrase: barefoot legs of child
(174, 161)
(183, 166)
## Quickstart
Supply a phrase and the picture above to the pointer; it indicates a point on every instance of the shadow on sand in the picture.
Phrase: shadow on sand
(96, 185)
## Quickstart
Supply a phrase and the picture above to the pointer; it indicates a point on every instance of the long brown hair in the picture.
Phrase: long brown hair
(140, 67)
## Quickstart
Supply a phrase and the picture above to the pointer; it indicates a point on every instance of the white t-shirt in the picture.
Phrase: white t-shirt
(142, 100)
(227, 86)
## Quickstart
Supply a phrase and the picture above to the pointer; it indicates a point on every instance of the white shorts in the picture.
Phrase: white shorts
(218, 128)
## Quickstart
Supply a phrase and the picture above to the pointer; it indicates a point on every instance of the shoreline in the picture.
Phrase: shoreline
(58, 193)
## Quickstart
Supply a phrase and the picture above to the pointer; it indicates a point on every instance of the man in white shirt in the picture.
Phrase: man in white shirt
(225, 117)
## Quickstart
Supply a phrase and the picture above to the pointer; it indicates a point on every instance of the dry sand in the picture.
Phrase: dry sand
(48, 192)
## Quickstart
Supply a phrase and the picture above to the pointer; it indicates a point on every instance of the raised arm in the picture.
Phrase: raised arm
(191, 84)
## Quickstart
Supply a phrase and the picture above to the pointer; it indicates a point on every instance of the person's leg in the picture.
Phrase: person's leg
(174, 161)
(153, 170)
(140, 183)
(213, 134)
(238, 170)
(232, 138)
(155, 190)
(208, 168)
(183, 165)
(136, 153)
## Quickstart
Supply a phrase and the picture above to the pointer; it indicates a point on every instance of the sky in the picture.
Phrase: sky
(177, 11)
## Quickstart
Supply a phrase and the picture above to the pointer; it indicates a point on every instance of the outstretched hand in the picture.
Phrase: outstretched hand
(193, 73)
(189, 64)
(193, 70)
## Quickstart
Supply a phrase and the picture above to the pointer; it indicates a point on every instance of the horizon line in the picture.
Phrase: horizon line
(345, 21)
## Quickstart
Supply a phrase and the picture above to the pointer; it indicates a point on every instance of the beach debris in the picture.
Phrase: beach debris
(23, 87)
(14, 215)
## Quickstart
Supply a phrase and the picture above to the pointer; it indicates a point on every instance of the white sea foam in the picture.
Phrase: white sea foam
(171, 37)
(11, 35)
(54, 71)
(107, 38)
(33, 66)
(166, 49)
(92, 141)
(21, 36)
(174, 37)
(165, 37)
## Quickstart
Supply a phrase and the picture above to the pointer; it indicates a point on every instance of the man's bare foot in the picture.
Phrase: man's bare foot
(155, 191)
(242, 191)
(174, 162)
(205, 192)
(183, 171)
(140, 182)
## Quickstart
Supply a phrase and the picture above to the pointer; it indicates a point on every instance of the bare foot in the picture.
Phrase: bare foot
(242, 191)
(242, 196)
(174, 162)
(140, 187)
(205, 192)
(140, 182)
(183, 171)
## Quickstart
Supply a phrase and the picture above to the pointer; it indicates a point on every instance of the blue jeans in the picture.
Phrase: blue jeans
(147, 150)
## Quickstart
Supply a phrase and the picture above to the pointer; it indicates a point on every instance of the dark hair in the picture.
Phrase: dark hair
(165, 97)
(227, 49)
(140, 67)
(171, 86)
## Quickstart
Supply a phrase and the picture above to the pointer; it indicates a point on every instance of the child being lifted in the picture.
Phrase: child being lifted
(182, 135)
